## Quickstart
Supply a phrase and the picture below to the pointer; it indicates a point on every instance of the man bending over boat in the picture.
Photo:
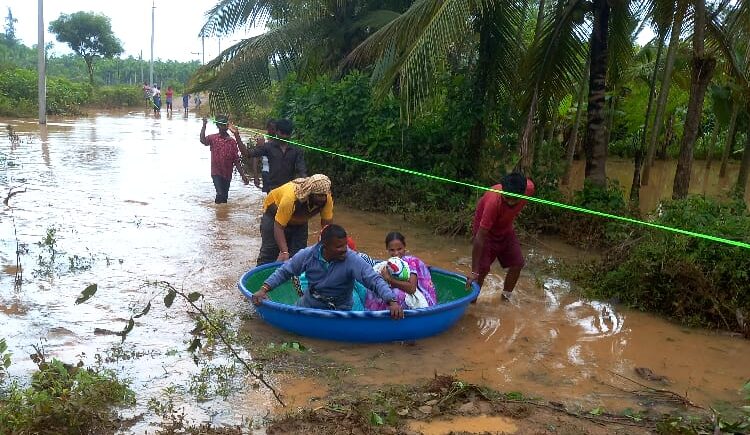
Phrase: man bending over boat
(331, 269)
(286, 211)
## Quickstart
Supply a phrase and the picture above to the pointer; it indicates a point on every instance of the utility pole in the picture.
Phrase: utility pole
(151, 65)
(42, 83)
(203, 49)
(140, 62)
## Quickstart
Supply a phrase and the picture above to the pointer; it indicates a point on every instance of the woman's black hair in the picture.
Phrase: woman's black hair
(394, 235)
(331, 232)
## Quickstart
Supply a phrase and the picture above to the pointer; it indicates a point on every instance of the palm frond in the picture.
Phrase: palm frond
(242, 71)
(623, 24)
(418, 40)
(556, 61)
(504, 49)
(230, 15)
(720, 40)
(376, 19)
(662, 14)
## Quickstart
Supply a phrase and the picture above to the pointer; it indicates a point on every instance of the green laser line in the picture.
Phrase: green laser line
(527, 198)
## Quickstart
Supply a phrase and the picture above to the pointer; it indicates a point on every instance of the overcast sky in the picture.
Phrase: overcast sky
(176, 32)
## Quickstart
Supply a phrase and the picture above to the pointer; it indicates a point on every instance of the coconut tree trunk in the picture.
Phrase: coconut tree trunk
(661, 103)
(526, 146)
(702, 69)
(712, 146)
(730, 140)
(595, 144)
(573, 139)
(744, 168)
(635, 187)
(668, 138)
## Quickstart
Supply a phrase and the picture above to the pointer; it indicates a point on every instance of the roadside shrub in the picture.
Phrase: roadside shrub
(19, 97)
(694, 281)
(116, 96)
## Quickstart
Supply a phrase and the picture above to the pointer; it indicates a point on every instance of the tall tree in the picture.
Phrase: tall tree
(666, 81)
(89, 35)
(10, 26)
(595, 145)
(701, 71)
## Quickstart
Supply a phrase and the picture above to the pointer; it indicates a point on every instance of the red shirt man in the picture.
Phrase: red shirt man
(493, 233)
(224, 157)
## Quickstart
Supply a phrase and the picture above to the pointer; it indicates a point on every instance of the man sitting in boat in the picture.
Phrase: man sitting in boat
(331, 269)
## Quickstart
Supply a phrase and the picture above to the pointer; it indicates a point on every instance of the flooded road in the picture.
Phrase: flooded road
(122, 199)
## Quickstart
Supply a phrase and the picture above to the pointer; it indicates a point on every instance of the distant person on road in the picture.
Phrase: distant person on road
(224, 157)
(285, 161)
(157, 99)
(185, 103)
(493, 233)
(286, 211)
(169, 94)
(147, 94)
(197, 102)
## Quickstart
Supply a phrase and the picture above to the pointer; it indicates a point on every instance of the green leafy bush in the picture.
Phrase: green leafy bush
(19, 96)
(344, 117)
(118, 96)
(694, 281)
(63, 399)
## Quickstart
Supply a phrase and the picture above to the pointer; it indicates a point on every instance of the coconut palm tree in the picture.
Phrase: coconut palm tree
(409, 53)
(305, 37)
(661, 104)
(414, 44)
(702, 70)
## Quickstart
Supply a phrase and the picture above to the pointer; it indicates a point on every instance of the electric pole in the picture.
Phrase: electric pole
(42, 83)
(151, 65)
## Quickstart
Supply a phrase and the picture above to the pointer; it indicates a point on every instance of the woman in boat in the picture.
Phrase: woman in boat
(419, 280)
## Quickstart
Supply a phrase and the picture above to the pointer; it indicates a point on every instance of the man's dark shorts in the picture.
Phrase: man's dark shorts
(505, 248)
(296, 239)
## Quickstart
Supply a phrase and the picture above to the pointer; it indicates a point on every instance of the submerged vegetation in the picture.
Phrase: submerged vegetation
(696, 282)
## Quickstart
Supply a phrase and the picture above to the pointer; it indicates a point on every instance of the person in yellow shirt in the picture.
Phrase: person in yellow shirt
(286, 211)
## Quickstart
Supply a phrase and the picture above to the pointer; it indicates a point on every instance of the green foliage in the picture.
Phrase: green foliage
(344, 117)
(19, 97)
(696, 282)
(578, 228)
(116, 96)
(63, 399)
(4, 356)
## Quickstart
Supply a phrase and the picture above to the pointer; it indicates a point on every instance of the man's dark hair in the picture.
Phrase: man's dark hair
(331, 232)
(271, 122)
(284, 126)
(514, 182)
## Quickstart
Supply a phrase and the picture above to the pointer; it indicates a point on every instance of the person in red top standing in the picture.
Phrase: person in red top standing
(169, 94)
(225, 155)
(493, 233)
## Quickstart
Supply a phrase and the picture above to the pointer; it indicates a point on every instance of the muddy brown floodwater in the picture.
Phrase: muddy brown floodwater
(127, 198)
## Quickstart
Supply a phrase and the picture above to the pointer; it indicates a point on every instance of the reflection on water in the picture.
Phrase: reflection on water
(132, 194)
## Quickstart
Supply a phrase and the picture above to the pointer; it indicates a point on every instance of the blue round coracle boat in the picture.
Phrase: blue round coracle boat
(361, 326)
